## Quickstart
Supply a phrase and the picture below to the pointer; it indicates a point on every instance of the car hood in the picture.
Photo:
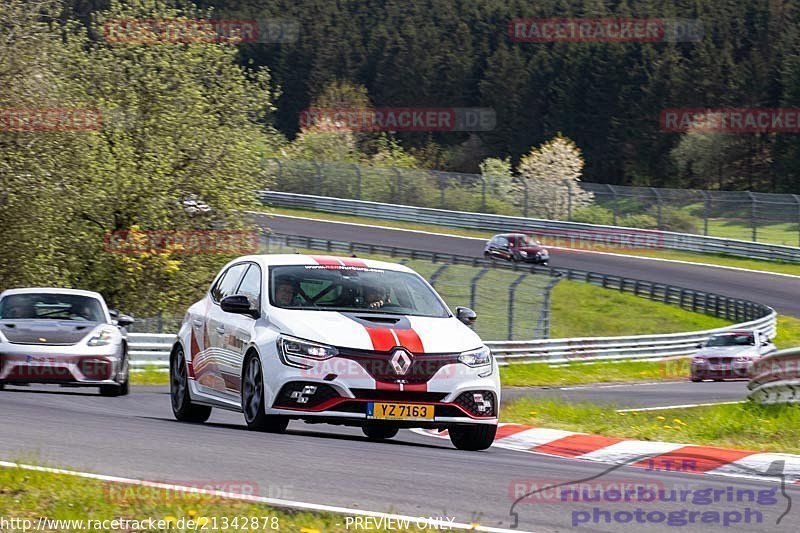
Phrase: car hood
(45, 332)
(727, 351)
(380, 332)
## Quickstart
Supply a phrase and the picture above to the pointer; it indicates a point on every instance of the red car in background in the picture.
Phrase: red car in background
(517, 247)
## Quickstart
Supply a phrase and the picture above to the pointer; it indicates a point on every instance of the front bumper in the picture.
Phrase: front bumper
(535, 259)
(71, 365)
(339, 391)
(724, 370)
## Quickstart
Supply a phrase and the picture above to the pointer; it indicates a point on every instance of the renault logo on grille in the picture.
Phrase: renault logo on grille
(401, 361)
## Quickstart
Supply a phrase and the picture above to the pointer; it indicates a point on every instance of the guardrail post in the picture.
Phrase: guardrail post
(544, 318)
(797, 199)
(658, 207)
(512, 289)
(473, 286)
(706, 211)
(525, 191)
(358, 181)
(318, 179)
(439, 272)
(398, 185)
(614, 192)
(569, 200)
(483, 194)
(753, 215)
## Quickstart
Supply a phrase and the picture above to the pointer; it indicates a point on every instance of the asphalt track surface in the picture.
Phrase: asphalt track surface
(636, 395)
(781, 293)
(136, 436)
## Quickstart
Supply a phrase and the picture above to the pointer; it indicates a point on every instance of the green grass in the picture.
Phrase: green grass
(784, 233)
(544, 375)
(774, 428)
(26, 494)
(710, 259)
(584, 310)
(149, 376)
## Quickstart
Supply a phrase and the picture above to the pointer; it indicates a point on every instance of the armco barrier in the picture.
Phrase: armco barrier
(777, 378)
(571, 231)
(747, 315)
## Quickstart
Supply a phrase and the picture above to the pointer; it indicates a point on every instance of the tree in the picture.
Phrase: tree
(552, 173)
(500, 179)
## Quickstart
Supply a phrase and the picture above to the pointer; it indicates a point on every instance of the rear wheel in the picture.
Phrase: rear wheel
(375, 432)
(182, 406)
(253, 400)
(473, 438)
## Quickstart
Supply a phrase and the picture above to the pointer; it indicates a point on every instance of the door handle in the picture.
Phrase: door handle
(220, 329)
(198, 323)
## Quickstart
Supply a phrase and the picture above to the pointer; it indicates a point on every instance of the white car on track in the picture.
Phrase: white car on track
(62, 336)
(337, 340)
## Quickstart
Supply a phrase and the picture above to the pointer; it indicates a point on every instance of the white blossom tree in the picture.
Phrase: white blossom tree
(552, 173)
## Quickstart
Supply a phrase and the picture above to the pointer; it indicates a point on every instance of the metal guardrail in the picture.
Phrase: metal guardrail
(571, 233)
(746, 314)
(776, 378)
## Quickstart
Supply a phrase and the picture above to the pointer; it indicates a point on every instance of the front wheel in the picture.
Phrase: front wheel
(473, 438)
(253, 400)
(374, 432)
(182, 406)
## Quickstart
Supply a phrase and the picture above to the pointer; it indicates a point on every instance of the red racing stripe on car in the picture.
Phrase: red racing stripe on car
(416, 387)
(410, 340)
(382, 338)
(326, 260)
(354, 262)
(382, 385)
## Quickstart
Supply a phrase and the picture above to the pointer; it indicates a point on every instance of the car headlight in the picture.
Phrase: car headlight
(480, 357)
(102, 337)
(292, 351)
(698, 361)
(743, 359)
(523, 253)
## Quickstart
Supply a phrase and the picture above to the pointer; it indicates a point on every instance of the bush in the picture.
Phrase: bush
(593, 214)
(673, 219)
(641, 221)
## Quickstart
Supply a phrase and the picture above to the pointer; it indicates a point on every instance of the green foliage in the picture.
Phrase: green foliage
(674, 219)
(593, 214)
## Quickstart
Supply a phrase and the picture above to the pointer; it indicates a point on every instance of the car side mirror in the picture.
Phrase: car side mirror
(113, 312)
(466, 315)
(124, 321)
(238, 304)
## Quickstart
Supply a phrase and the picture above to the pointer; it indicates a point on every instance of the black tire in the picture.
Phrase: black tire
(2, 385)
(696, 380)
(378, 433)
(253, 399)
(182, 406)
(123, 387)
(473, 438)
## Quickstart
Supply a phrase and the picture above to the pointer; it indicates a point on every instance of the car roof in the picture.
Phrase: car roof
(52, 290)
(334, 260)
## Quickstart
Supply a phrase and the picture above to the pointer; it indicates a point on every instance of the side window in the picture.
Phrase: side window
(230, 280)
(502, 242)
(251, 286)
(215, 289)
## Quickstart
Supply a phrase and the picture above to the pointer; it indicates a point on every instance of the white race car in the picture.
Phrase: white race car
(337, 340)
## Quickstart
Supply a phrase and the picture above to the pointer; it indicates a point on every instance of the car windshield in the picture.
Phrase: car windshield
(523, 240)
(365, 290)
(734, 339)
(51, 306)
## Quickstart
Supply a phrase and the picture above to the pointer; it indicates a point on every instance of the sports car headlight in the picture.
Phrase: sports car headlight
(101, 337)
(523, 253)
(480, 357)
(292, 351)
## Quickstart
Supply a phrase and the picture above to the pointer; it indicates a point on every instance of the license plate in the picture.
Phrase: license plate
(399, 411)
